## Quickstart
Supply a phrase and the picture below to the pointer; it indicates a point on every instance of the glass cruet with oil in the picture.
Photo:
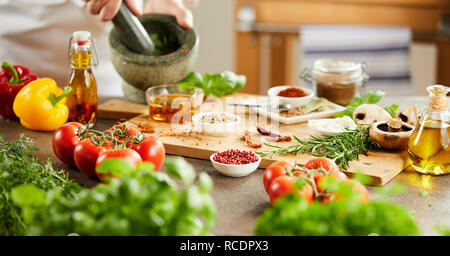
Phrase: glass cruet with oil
(82, 102)
(429, 144)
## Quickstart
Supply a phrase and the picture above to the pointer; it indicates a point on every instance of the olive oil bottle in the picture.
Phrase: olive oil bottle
(429, 144)
(82, 102)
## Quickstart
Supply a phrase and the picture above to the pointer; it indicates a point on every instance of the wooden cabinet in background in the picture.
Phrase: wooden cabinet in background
(264, 46)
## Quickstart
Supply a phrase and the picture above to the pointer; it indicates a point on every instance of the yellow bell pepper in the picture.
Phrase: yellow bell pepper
(41, 105)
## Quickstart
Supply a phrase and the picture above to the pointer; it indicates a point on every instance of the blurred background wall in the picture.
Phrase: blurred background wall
(215, 22)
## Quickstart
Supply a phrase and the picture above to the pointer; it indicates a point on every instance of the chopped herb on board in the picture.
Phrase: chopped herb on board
(342, 147)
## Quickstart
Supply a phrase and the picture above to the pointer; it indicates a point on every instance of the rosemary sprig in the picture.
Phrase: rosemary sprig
(341, 147)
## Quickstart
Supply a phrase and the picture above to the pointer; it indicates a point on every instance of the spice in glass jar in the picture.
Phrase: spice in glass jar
(337, 80)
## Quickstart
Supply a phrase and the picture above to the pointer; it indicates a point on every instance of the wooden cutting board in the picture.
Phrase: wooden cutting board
(117, 109)
(380, 166)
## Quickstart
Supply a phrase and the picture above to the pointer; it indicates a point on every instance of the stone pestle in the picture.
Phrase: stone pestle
(132, 33)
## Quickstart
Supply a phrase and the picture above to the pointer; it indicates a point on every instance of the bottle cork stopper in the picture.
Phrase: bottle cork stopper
(438, 97)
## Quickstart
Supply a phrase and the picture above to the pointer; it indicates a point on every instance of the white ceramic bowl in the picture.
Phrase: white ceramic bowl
(235, 170)
(295, 102)
(217, 129)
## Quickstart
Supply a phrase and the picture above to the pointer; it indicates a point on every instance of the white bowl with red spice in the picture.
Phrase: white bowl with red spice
(290, 94)
(235, 163)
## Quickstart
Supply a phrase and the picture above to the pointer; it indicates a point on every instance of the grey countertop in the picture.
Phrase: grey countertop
(241, 200)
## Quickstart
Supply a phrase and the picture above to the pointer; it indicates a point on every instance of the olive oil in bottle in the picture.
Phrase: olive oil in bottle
(82, 102)
(429, 144)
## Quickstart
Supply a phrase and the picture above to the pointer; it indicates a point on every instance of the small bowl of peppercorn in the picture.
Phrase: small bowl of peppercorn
(235, 162)
(289, 94)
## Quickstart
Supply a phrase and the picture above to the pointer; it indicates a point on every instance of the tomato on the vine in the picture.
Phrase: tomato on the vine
(119, 153)
(122, 132)
(85, 155)
(356, 187)
(64, 141)
(151, 150)
(273, 171)
(329, 166)
(284, 185)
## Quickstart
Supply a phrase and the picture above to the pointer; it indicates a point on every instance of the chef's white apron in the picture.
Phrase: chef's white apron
(35, 33)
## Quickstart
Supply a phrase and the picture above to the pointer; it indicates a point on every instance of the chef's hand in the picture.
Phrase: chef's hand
(106, 10)
(171, 7)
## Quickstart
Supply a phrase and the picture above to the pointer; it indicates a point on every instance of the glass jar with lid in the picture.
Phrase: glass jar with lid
(338, 80)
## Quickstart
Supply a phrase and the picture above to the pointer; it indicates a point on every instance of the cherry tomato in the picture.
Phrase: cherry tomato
(321, 162)
(329, 166)
(85, 155)
(64, 141)
(357, 187)
(273, 171)
(120, 153)
(151, 150)
(284, 185)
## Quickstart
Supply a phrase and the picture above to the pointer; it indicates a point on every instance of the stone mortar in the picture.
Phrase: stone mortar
(140, 72)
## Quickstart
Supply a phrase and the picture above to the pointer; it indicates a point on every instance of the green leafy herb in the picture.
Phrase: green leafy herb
(143, 203)
(18, 167)
(162, 45)
(423, 194)
(443, 231)
(341, 147)
(217, 84)
(368, 98)
(293, 216)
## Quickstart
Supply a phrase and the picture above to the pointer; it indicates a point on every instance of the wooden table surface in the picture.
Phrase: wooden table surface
(241, 200)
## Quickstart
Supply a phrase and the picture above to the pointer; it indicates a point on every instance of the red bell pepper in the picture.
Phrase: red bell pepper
(12, 79)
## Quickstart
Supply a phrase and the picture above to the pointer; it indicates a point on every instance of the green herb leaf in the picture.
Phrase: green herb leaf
(392, 110)
(115, 167)
(217, 84)
(205, 183)
(27, 195)
(180, 169)
(372, 97)
(423, 194)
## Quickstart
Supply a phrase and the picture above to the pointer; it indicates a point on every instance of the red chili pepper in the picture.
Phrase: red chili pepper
(12, 80)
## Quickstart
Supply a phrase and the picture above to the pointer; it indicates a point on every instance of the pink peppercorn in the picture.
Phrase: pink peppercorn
(235, 157)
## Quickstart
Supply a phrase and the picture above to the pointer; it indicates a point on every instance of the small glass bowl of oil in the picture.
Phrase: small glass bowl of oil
(173, 104)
